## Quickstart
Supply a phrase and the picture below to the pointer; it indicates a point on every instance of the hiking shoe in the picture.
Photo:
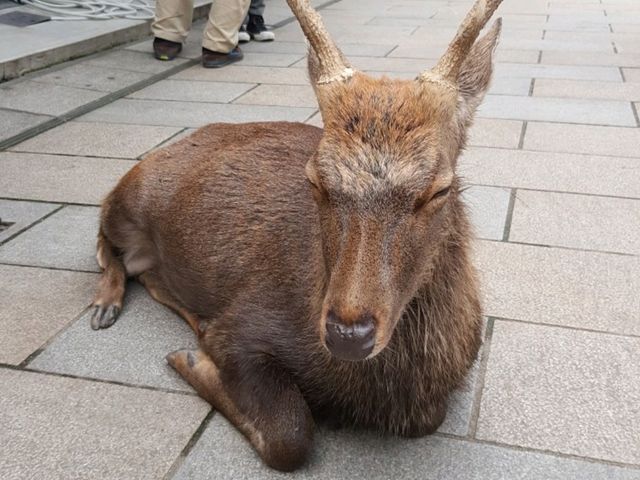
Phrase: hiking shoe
(257, 29)
(211, 59)
(243, 35)
(165, 49)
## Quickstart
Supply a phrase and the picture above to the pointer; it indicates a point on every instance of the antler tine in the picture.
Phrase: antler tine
(449, 64)
(333, 66)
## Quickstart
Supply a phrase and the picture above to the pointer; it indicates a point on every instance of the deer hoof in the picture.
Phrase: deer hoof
(104, 316)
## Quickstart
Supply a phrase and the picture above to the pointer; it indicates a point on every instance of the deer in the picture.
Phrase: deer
(332, 280)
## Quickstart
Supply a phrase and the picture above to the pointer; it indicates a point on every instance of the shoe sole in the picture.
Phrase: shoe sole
(253, 37)
(222, 64)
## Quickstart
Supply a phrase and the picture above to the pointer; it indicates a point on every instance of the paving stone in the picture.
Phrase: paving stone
(36, 304)
(562, 390)
(631, 74)
(91, 77)
(49, 100)
(557, 286)
(18, 215)
(574, 72)
(132, 61)
(488, 208)
(223, 452)
(97, 140)
(187, 91)
(490, 132)
(552, 171)
(502, 54)
(67, 239)
(592, 58)
(569, 110)
(616, 141)
(577, 221)
(58, 427)
(239, 73)
(133, 350)
(12, 123)
(55, 178)
(271, 59)
(283, 95)
(190, 114)
(548, 87)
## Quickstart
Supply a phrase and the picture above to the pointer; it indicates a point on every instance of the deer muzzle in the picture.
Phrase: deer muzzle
(350, 340)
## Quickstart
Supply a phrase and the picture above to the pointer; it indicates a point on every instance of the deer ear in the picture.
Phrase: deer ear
(475, 73)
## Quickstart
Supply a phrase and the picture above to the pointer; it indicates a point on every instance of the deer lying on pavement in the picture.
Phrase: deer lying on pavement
(330, 279)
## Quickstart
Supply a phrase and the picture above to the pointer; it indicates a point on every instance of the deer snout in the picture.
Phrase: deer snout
(349, 339)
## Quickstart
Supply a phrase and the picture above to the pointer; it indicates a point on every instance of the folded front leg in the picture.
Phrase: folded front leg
(264, 404)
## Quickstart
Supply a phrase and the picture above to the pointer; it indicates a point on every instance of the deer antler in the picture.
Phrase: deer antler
(447, 69)
(333, 66)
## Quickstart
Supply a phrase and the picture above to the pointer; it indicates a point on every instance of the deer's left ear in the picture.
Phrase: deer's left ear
(475, 74)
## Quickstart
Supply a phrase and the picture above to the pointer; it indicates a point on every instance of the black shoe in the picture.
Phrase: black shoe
(243, 35)
(257, 29)
(211, 59)
(165, 49)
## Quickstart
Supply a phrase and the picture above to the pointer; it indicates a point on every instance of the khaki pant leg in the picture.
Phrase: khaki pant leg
(225, 18)
(173, 19)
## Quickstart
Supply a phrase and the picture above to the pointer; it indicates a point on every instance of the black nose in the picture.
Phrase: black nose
(350, 341)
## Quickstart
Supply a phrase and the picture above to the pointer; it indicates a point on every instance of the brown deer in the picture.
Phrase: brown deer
(331, 279)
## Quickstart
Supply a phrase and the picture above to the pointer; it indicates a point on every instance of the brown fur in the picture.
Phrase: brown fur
(255, 232)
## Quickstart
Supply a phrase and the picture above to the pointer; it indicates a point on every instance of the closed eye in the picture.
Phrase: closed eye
(441, 193)
(423, 201)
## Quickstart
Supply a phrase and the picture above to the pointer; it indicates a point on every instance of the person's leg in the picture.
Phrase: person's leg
(225, 18)
(257, 7)
(171, 26)
(255, 26)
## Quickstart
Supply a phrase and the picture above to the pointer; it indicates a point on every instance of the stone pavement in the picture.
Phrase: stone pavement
(554, 169)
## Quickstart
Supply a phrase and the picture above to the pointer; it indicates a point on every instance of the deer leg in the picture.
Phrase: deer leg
(108, 300)
(268, 409)
(161, 294)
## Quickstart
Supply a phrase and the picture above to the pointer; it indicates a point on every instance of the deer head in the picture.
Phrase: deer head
(383, 176)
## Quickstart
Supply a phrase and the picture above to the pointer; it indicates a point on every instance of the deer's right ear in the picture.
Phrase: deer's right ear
(475, 73)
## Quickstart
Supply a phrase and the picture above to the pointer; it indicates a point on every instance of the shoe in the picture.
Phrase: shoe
(211, 59)
(165, 49)
(243, 35)
(258, 31)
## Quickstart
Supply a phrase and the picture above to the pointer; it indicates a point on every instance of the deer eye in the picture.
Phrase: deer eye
(422, 201)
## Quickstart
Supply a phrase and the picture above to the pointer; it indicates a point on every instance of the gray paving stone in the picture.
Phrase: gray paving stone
(239, 73)
(591, 58)
(282, 95)
(488, 208)
(548, 87)
(132, 61)
(189, 91)
(44, 99)
(562, 390)
(36, 304)
(190, 114)
(490, 132)
(97, 140)
(569, 110)
(12, 123)
(556, 286)
(91, 77)
(67, 239)
(57, 427)
(133, 350)
(502, 54)
(223, 452)
(574, 72)
(588, 139)
(552, 171)
(631, 74)
(271, 59)
(55, 178)
(577, 221)
(21, 215)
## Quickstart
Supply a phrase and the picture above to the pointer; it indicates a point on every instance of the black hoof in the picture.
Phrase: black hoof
(104, 317)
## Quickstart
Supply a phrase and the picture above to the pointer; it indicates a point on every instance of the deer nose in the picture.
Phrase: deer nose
(350, 341)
